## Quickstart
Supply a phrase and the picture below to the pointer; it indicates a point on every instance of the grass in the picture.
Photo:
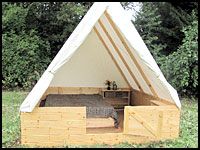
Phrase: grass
(188, 126)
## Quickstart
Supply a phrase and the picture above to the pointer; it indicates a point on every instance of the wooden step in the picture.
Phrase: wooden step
(99, 122)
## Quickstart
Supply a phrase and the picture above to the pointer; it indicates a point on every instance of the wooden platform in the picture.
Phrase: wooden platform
(109, 129)
(60, 126)
(99, 122)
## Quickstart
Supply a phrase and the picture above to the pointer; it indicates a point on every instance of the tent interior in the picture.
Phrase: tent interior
(89, 67)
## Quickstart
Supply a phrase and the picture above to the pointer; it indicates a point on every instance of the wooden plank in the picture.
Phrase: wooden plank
(120, 55)
(35, 131)
(43, 144)
(119, 89)
(78, 90)
(57, 137)
(112, 57)
(104, 130)
(46, 123)
(90, 139)
(140, 132)
(58, 131)
(95, 139)
(76, 123)
(143, 122)
(53, 110)
(160, 124)
(169, 135)
(140, 98)
(29, 124)
(29, 117)
(171, 121)
(76, 130)
(118, 101)
(90, 90)
(126, 119)
(99, 122)
(61, 124)
(51, 117)
(167, 120)
(150, 116)
(168, 124)
(35, 138)
(73, 116)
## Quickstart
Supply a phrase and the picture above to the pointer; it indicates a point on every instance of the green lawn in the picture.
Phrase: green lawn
(11, 127)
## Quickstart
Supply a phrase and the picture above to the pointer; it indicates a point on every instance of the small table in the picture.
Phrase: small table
(117, 98)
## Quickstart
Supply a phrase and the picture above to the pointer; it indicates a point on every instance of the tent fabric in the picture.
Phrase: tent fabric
(94, 16)
(65, 53)
(92, 74)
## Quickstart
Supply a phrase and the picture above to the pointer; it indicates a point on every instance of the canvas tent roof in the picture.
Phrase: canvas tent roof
(118, 35)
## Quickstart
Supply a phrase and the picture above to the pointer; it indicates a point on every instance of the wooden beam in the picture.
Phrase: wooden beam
(120, 55)
(108, 50)
(160, 124)
(126, 118)
(130, 53)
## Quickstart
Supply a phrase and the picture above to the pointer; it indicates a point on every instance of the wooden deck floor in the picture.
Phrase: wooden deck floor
(109, 129)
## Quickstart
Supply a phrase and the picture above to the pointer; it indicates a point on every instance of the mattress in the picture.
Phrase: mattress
(96, 107)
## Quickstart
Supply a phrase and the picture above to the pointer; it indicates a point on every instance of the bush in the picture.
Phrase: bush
(25, 55)
(181, 67)
(22, 59)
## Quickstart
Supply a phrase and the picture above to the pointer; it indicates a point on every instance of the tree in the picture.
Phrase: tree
(24, 55)
(170, 32)
(174, 16)
(55, 21)
(33, 33)
(148, 24)
(181, 67)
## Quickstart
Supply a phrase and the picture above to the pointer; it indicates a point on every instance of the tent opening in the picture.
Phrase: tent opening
(104, 108)
(104, 111)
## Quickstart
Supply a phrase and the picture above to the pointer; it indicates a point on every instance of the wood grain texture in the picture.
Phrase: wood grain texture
(99, 122)
(75, 90)
(67, 126)
(161, 121)
(44, 124)
(140, 98)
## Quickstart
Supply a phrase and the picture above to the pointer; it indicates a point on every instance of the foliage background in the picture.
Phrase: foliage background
(33, 33)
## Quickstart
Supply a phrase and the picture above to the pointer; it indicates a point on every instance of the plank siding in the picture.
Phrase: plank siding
(159, 122)
(68, 130)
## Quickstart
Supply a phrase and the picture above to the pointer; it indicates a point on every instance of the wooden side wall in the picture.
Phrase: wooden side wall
(139, 98)
(71, 90)
(47, 126)
(52, 125)
(59, 126)
(158, 122)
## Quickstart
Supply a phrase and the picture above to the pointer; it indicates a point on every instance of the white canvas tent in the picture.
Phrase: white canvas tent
(104, 45)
